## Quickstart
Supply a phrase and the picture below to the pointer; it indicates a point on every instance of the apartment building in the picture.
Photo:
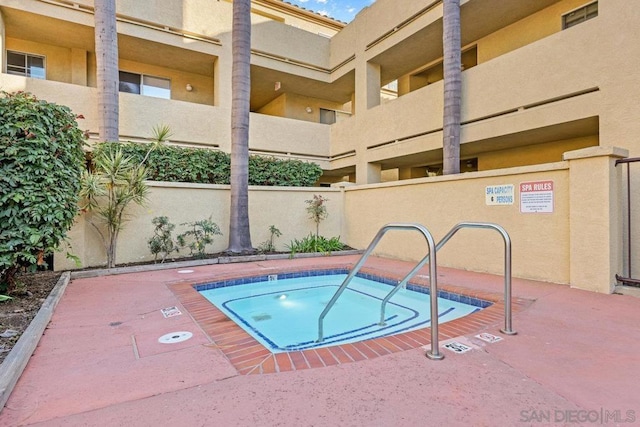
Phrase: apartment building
(364, 100)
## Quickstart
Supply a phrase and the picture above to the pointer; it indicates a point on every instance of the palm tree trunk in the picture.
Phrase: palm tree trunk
(452, 87)
(239, 234)
(106, 38)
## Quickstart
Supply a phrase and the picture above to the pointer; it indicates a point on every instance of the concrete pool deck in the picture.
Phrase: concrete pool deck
(574, 361)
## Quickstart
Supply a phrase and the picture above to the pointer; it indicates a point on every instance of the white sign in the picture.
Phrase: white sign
(457, 347)
(485, 336)
(536, 197)
(499, 194)
(170, 312)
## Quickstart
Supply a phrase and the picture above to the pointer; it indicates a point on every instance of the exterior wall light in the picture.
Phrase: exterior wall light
(309, 110)
(189, 87)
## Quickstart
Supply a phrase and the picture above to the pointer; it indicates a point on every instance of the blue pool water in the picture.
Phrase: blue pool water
(282, 314)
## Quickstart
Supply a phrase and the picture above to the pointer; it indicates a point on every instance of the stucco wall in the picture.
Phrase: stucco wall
(540, 241)
(578, 241)
(283, 207)
(190, 123)
(533, 154)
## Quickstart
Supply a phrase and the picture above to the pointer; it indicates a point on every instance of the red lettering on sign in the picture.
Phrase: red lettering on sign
(526, 187)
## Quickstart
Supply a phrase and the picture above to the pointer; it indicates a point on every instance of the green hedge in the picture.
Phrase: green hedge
(41, 162)
(198, 165)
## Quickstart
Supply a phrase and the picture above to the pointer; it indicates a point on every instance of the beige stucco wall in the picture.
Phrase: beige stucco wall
(57, 59)
(202, 85)
(548, 152)
(526, 31)
(277, 107)
(579, 242)
(540, 241)
(283, 207)
(294, 106)
(190, 123)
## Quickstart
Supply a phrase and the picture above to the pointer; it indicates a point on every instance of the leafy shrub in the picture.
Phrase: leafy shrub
(201, 234)
(198, 165)
(268, 245)
(41, 162)
(314, 243)
(162, 241)
(269, 171)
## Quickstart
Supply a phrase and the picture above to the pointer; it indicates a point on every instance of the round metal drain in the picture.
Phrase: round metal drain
(185, 271)
(175, 337)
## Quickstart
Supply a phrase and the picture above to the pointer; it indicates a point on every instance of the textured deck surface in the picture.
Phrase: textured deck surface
(100, 363)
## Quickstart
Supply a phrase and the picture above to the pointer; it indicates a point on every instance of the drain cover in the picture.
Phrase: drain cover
(185, 271)
(175, 337)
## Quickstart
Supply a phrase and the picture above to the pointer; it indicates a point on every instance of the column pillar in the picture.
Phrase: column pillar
(595, 221)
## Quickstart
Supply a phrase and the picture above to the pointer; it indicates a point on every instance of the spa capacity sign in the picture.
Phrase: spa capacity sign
(499, 194)
(536, 197)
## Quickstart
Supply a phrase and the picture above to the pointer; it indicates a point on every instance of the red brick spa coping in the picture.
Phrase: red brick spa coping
(249, 356)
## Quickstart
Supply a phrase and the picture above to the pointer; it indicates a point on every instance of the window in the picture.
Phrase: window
(145, 85)
(327, 117)
(23, 64)
(578, 16)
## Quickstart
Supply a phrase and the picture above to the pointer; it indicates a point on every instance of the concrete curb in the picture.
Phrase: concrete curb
(18, 357)
(196, 263)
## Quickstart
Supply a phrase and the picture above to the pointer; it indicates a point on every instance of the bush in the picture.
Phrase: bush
(198, 165)
(269, 245)
(162, 241)
(314, 243)
(200, 234)
(41, 162)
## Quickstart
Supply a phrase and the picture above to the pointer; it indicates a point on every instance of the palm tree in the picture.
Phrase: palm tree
(452, 86)
(106, 38)
(239, 233)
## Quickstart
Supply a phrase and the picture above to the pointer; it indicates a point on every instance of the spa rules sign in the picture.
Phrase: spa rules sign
(536, 197)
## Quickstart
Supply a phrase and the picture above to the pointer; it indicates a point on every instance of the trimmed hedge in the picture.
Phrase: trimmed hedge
(199, 165)
(41, 162)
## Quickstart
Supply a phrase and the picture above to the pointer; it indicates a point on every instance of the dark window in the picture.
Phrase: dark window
(129, 82)
(145, 85)
(24, 64)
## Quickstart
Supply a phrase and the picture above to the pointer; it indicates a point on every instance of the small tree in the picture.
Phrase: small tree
(269, 245)
(114, 182)
(162, 240)
(317, 210)
(41, 161)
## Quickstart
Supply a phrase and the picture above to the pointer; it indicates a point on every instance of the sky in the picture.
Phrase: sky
(342, 10)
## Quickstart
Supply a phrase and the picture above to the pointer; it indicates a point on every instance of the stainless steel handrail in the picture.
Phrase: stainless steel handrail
(507, 270)
(434, 353)
(507, 264)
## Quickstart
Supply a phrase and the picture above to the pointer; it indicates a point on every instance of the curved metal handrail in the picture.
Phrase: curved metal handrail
(434, 353)
(507, 264)
(507, 270)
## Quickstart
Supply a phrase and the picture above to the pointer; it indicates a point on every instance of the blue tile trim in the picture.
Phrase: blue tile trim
(310, 273)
